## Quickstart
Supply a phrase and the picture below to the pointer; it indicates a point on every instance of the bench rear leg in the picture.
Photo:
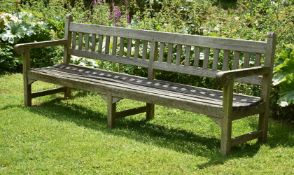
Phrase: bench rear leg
(149, 111)
(111, 111)
(263, 125)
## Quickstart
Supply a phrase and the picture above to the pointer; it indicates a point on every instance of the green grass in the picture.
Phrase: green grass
(58, 136)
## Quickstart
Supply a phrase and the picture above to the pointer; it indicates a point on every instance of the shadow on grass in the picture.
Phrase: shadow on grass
(142, 131)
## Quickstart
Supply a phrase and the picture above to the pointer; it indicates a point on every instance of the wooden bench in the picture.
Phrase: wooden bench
(228, 60)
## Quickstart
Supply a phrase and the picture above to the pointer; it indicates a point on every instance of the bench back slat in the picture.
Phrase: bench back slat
(184, 39)
(215, 58)
(236, 60)
(189, 54)
(225, 65)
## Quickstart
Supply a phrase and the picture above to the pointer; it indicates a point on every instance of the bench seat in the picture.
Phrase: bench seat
(140, 88)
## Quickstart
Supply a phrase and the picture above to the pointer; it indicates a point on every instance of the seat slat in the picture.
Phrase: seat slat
(174, 90)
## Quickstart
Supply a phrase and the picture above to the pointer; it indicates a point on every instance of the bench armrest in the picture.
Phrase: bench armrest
(225, 76)
(20, 48)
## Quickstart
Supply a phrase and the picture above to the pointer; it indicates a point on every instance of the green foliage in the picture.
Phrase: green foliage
(20, 28)
(284, 76)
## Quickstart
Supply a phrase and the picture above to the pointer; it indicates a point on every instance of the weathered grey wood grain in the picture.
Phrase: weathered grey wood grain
(93, 42)
(111, 112)
(74, 40)
(170, 53)
(86, 41)
(206, 58)
(246, 60)
(226, 127)
(246, 137)
(129, 112)
(226, 60)
(223, 107)
(187, 55)
(215, 58)
(257, 59)
(67, 55)
(129, 48)
(196, 56)
(137, 49)
(175, 38)
(112, 58)
(121, 46)
(179, 52)
(100, 44)
(236, 60)
(80, 46)
(21, 48)
(161, 51)
(48, 92)
(266, 86)
(145, 46)
(27, 86)
(107, 43)
(68, 38)
(114, 45)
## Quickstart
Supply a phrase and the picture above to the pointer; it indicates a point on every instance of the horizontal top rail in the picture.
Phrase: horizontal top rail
(184, 39)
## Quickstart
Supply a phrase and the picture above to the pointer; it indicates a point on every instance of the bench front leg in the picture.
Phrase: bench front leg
(226, 125)
(27, 84)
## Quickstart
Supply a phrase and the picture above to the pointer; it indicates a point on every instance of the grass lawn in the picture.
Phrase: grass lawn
(58, 136)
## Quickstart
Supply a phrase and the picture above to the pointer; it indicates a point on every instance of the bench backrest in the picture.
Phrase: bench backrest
(188, 54)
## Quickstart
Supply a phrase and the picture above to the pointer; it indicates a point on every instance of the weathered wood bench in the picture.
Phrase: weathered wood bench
(228, 60)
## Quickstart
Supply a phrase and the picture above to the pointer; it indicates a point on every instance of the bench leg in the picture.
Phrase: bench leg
(67, 93)
(27, 92)
(149, 111)
(226, 136)
(263, 125)
(111, 110)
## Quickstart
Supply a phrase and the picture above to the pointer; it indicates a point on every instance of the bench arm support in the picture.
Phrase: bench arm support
(20, 48)
(227, 76)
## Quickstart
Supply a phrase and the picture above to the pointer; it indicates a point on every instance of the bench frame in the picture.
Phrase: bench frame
(227, 79)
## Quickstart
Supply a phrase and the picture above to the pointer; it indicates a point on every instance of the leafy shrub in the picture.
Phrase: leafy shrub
(284, 76)
(20, 28)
